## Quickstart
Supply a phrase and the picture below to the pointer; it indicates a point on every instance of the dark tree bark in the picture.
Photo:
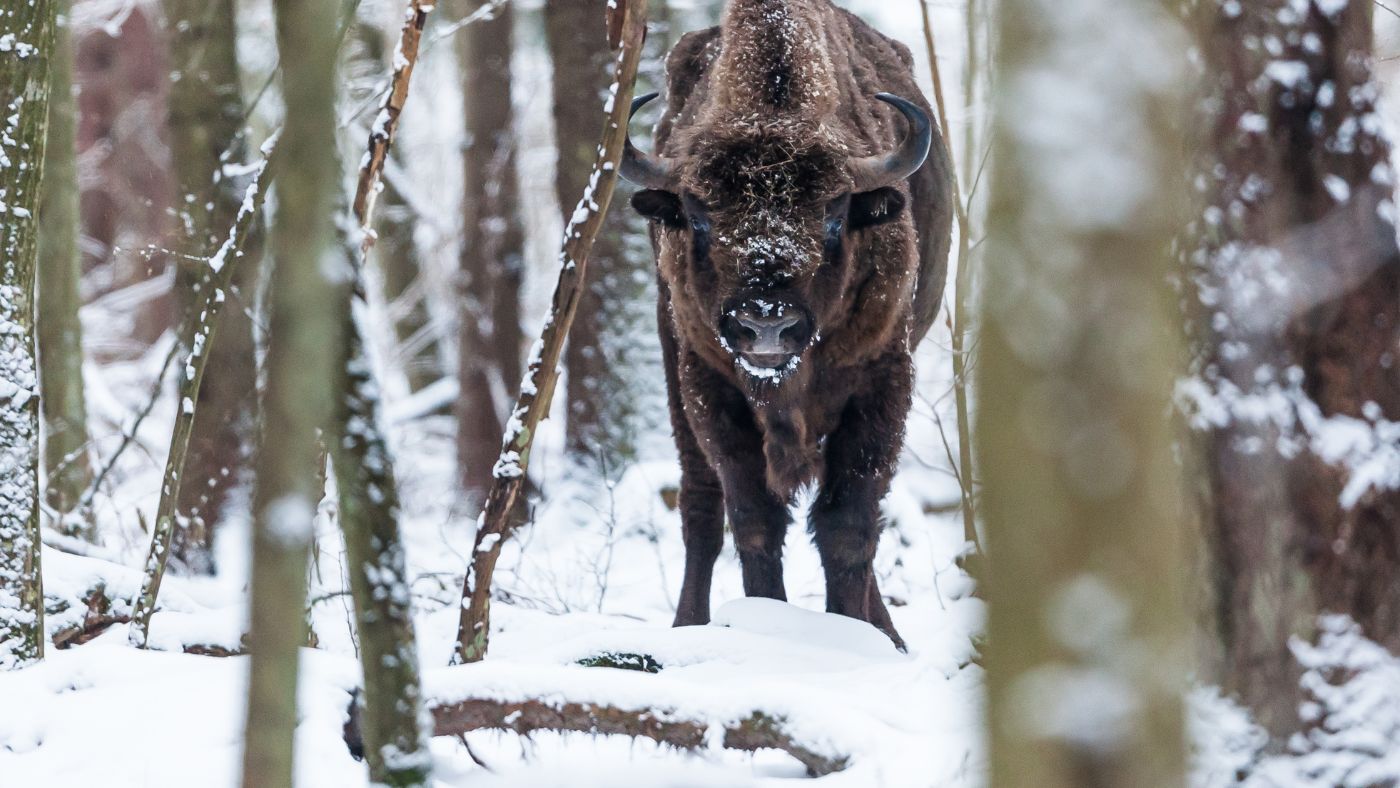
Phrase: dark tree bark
(67, 458)
(206, 116)
(302, 362)
(1297, 285)
(1087, 638)
(602, 402)
(26, 52)
(492, 254)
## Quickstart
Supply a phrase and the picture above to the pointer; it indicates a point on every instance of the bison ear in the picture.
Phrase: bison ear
(869, 209)
(659, 206)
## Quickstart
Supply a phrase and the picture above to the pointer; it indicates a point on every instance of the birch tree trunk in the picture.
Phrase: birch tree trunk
(1087, 649)
(493, 246)
(1294, 391)
(26, 53)
(67, 459)
(206, 116)
(302, 360)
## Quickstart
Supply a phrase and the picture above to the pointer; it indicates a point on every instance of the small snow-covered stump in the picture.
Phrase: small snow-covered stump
(26, 47)
(627, 21)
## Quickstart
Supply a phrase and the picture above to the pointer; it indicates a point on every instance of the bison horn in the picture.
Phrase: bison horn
(647, 171)
(875, 172)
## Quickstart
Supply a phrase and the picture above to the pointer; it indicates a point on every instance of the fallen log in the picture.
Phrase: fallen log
(758, 731)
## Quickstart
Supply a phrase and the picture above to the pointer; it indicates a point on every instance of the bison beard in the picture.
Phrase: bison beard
(801, 230)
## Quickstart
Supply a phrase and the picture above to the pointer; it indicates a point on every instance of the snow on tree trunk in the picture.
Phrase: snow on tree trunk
(67, 459)
(1087, 647)
(614, 329)
(493, 244)
(303, 355)
(26, 49)
(207, 153)
(1294, 389)
(396, 250)
(394, 725)
(202, 329)
(532, 405)
(392, 718)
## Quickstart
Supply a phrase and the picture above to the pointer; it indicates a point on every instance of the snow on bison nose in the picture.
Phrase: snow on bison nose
(764, 333)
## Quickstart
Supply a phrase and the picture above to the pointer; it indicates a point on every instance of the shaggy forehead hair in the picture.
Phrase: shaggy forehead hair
(767, 166)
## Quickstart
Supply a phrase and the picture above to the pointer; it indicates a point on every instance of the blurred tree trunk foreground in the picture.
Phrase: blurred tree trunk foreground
(1297, 321)
(302, 362)
(1088, 645)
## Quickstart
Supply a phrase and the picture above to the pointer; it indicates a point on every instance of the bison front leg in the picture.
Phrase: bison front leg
(700, 499)
(861, 456)
(733, 442)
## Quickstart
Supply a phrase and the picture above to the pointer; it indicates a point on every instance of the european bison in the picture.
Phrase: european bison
(801, 205)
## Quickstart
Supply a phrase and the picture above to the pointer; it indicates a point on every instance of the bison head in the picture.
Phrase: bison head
(760, 218)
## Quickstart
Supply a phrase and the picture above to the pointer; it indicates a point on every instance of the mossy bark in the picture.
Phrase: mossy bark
(26, 53)
(67, 458)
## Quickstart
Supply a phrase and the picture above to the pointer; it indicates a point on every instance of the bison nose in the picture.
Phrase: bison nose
(768, 334)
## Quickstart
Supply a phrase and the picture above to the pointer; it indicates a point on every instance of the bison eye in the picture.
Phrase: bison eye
(835, 226)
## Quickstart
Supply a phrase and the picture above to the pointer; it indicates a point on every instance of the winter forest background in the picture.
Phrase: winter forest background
(1162, 395)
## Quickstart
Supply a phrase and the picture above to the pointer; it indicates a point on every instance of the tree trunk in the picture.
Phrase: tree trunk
(602, 402)
(396, 741)
(1295, 393)
(498, 519)
(26, 52)
(493, 244)
(302, 360)
(206, 117)
(395, 248)
(1087, 648)
(67, 459)
(369, 518)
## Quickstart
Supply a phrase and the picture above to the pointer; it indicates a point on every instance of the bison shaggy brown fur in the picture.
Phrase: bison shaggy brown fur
(801, 239)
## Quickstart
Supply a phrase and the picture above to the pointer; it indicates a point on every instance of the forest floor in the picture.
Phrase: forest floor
(597, 572)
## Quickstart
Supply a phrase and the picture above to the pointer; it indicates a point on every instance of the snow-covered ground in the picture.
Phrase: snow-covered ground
(578, 585)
